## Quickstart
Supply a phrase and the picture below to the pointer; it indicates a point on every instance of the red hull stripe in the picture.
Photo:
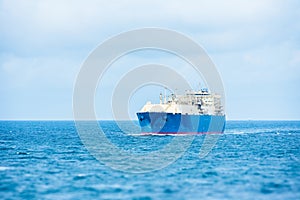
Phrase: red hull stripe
(179, 133)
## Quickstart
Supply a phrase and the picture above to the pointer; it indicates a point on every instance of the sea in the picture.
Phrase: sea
(49, 160)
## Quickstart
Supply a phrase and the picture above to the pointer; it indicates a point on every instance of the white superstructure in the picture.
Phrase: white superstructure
(193, 103)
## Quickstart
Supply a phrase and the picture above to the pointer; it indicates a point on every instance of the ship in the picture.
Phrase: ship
(194, 112)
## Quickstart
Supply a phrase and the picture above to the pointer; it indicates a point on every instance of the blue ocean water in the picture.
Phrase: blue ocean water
(251, 160)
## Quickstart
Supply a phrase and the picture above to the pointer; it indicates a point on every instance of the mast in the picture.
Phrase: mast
(165, 97)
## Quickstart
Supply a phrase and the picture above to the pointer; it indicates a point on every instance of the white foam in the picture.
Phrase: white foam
(2, 168)
(234, 132)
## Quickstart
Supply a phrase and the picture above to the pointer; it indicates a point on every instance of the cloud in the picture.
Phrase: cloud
(72, 23)
(261, 83)
(49, 72)
(36, 87)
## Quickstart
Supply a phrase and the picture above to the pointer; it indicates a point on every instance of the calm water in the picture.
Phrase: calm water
(252, 160)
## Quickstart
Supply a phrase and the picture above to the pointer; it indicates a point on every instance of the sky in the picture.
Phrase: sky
(255, 46)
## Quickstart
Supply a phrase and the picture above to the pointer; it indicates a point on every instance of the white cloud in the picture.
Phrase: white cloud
(47, 22)
(38, 72)
(223, 12)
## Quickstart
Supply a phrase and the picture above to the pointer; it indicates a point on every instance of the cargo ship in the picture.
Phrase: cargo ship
(195, 112)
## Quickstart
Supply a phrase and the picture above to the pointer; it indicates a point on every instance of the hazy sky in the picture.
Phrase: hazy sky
(254, 44)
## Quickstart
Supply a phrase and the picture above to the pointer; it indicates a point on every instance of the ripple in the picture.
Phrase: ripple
(22, 153)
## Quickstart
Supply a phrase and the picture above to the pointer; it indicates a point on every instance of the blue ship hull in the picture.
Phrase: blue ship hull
(169, 123)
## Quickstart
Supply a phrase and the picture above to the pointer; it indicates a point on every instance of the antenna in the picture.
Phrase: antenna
(160, 98)
(165, 97)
